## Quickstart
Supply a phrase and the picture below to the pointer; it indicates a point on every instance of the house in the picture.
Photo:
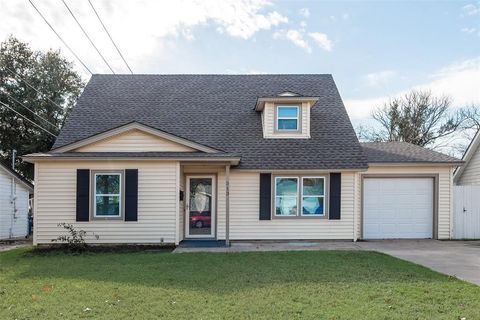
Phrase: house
(15, 193)
(466, 197)
(156, 159)
(469, 173)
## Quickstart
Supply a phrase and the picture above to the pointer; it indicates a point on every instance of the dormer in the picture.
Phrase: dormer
(286, 116)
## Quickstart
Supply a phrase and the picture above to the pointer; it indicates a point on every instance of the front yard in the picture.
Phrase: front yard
(260, 285)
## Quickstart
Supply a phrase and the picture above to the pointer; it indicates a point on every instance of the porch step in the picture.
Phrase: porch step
(202, 244)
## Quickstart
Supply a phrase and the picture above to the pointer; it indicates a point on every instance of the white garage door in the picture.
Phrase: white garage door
(398, 208)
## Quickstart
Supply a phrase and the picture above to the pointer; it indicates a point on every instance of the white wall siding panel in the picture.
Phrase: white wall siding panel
(471, 172)
(157, 203)
(244, 214)
(134, 141)
(18, 222)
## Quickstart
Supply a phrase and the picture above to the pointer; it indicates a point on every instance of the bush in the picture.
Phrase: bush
(74, 240)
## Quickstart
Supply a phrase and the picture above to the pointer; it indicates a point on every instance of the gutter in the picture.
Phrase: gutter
(33, 159)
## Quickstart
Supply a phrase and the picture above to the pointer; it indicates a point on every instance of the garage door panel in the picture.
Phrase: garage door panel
(395, 208)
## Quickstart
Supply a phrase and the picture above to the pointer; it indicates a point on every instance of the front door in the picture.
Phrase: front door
(200, 206)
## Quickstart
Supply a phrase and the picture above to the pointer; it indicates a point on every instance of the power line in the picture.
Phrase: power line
(20, 103)
(39, 126)
(86, 35)
(31, 86)
(59, 37)
(111, 39)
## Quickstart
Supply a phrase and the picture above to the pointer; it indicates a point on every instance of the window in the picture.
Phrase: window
(287, 118)
(313, 196)
(299, 196)
(286, 196)
(107, 195)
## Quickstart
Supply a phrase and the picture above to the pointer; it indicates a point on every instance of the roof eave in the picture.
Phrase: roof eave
(416, 163)
(33, 158)
(260, 104)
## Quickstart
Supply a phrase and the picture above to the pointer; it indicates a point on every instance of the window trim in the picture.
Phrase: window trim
(300, 215)
(297, 118)
(324, 196)
(93, 194)
(275, 196)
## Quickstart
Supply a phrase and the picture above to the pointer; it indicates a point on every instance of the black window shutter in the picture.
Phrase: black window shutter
(83, 194)
(335, 195)
(265, 196)
(131, 194)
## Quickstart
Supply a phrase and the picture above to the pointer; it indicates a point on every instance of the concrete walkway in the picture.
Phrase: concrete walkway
(7, 245)
(460, 259)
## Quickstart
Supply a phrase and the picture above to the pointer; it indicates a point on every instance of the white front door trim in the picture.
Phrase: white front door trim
(213, 217)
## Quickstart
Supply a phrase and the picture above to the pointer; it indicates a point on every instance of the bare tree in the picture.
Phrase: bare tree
(470, 116)
(418, 117)
(470, 125)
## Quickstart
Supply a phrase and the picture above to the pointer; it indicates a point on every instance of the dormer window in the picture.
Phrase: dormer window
(288, 118)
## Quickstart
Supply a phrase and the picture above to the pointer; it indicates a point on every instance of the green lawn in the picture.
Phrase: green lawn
(268, 285)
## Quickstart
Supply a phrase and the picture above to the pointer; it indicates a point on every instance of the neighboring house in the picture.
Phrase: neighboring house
(469, 173)
(161, 158)
(15, 192)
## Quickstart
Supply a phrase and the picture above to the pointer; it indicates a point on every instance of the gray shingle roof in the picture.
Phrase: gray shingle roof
(403, 152)
(217, 111)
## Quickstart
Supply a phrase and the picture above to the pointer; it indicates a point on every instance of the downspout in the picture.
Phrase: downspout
(13, 197)
(227, 205)
(355, 206)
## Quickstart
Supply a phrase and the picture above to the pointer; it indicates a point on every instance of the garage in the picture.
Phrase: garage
(398, 207)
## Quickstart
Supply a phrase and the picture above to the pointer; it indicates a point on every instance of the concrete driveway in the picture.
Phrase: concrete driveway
(455, 258)
(460, 259)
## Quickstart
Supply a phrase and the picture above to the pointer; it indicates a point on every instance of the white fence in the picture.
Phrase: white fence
(466, 212)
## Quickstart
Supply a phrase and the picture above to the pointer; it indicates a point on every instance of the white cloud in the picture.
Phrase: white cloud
(459, 80)
(143, 30)
(468, 30)
(471, 9)
(380, 78)
(294, 36)
(322, 40)
(346, 16)
(297, 37)
(305, 12)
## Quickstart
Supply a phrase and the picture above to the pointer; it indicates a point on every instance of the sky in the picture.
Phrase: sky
(374, 49)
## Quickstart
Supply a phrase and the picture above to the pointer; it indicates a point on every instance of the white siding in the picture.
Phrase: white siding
(445, 186)
(471, 172)
(134, 141)
(244, 214)
(18, 221)
(268, 121)
(157, 202)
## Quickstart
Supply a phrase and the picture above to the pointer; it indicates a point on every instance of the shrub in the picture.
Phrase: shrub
(74, 240)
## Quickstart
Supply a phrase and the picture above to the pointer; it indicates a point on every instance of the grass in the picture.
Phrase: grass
(257, 285)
